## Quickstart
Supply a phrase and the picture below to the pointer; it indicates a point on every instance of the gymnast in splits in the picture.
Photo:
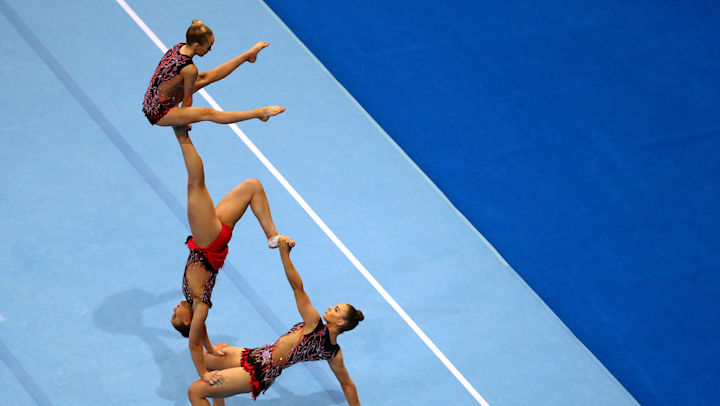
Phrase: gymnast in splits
(253, 370)
(211, 229)
(176, 79)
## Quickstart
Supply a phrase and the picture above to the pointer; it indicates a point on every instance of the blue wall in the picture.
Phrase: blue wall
(581, 139)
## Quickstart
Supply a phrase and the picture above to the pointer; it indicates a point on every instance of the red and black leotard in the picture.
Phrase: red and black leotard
(156, 103)
(202, 266)
(264, 364)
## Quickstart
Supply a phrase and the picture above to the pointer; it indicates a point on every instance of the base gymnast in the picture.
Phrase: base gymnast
(176, 79)
(253, 370)
(211, 229)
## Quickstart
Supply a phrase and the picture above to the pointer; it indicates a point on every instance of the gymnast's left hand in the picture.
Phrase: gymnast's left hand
(213, 378)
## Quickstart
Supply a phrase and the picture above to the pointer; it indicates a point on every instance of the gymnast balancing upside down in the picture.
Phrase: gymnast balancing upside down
(211, 231)
(176, 79)
(253, 370)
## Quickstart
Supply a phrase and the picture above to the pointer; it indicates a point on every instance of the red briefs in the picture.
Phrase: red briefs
(216, 252)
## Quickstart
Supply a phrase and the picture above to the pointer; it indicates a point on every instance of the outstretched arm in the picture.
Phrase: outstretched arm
(198, 335)
(209, 347)
(348, 386)
(309, 315)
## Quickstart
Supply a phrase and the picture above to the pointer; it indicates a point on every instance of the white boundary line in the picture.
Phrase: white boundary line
(360, 267)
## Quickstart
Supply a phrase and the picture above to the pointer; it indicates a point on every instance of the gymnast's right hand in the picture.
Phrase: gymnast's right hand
(213, 378)
(181, 131)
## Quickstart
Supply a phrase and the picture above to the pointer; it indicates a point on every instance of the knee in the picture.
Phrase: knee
(197, 390)
(254, 183)
(207, 114)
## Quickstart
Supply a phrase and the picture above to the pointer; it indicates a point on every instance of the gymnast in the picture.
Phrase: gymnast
(176, 79)
(253, 370)
(211, 229)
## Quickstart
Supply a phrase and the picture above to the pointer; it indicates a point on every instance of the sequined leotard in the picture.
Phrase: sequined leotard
(202, 266)
(266, 363)
(157, 102)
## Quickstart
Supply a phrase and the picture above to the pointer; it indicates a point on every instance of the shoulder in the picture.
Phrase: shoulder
(190, 69)
(337, 364)
(310, 328)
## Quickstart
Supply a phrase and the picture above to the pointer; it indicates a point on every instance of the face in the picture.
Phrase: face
(336, 314)
(201, 50)
(182, 314)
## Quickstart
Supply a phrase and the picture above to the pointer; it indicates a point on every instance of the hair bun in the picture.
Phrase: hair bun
(196, 22)
(359, 316)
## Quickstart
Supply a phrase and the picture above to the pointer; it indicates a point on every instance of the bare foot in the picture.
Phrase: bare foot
(271, 111)
(252, 53)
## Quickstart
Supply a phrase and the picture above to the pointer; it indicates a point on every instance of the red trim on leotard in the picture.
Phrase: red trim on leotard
(250, 368)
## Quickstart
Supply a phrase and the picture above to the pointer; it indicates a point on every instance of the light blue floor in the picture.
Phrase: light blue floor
(93, 202)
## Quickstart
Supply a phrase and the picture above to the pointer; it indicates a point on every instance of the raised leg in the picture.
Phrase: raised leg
(220, 72)
(179, 116)
(204, 223)
(249, 193)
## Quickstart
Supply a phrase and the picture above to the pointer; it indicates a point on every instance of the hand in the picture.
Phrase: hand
(182, 130)
(216, 350)
(213, 378)
(285, 244)
(218, 347)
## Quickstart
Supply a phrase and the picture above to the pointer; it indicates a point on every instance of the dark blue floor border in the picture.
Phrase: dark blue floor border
(326, 382)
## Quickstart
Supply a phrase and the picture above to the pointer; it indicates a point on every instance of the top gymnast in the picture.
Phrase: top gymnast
(211, 229)
(176, 79)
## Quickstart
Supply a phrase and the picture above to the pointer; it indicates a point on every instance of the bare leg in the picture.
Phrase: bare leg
(220, 72)
(231, 359)
(236, 381)
(204, 223)
(179, 116)
(249, 193)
